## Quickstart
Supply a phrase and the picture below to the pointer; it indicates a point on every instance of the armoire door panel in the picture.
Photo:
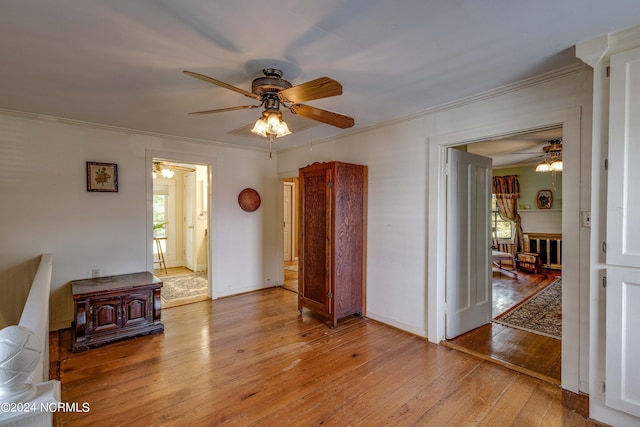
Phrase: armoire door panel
(332, 249)
(348, 238)
(314, 240)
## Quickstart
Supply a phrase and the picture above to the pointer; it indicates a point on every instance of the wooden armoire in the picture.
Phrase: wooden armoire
(332, 239)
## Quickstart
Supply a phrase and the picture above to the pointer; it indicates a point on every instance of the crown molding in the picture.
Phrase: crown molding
(568, 70)
(73, 122)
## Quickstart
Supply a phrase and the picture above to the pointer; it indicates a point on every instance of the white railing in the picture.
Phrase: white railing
(35, 315)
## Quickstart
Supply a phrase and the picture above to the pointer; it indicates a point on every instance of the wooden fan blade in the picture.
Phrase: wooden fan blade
(323, 87)
(222, 84)
(220, 110)
(324, 116)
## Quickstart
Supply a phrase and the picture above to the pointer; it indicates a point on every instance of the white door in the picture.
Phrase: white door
(623, 197)
(288, 199)
(189, 220)
(468, 281)
(623, 236)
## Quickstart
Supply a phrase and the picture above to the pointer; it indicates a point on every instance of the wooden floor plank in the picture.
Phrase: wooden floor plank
(253, 359)
(538, 354)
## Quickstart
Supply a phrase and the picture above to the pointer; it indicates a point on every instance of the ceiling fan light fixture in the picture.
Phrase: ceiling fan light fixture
(543, 167)
(555, 166)
(271, 124)
(162, 171)
(553, 163)
(167, 173)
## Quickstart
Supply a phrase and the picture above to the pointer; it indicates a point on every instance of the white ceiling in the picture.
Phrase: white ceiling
(120, 62)
(517, 150)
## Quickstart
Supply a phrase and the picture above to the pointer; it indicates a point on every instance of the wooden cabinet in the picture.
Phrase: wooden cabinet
(332, 240)
(115, 307)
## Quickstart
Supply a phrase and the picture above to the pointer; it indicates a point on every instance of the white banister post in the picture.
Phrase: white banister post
(19, 355)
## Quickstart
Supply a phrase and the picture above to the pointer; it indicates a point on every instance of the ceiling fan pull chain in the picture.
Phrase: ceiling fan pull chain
(270, 143)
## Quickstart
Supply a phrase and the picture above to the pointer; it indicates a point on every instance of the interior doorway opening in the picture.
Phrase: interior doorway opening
(180, 218)
(524, 273)
(290, 233)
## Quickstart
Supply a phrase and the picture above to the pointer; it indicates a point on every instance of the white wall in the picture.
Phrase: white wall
(541, 221)
(46, 208)
(396, 251)
(402, 201)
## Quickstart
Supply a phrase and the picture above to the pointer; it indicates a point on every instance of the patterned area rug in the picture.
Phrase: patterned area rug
(540, 314)
(184, 286)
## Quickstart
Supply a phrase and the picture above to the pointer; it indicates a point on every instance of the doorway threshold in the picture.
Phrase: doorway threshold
(184, 301)
(525, 352)
(503, 363)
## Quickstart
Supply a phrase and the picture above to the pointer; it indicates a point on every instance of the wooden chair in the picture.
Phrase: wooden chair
(503, 252)
(528, 262)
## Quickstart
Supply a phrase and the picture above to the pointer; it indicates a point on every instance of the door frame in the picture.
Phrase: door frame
(575, 296)
(292, 220)
(189, 217)
(197, 159)
(280, 218)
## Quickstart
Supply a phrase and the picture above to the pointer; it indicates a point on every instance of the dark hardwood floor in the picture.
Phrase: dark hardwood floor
(253, 359)
(530, 353)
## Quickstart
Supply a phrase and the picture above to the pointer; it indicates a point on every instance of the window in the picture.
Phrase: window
(160, 215)
(502, 229)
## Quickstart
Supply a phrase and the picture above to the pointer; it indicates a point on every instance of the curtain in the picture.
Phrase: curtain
(507, 191)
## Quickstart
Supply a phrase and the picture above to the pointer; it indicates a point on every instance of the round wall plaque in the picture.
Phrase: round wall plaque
(249, 200)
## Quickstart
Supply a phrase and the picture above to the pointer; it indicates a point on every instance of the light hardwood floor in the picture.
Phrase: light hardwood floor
(171, 271)
(252, 359)
(290, 276)
(524, 351)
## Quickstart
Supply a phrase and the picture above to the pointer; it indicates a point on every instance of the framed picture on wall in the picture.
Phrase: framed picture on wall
(544, 199)
(102, 177)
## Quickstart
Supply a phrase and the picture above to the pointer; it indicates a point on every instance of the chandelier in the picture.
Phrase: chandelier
(553, 161)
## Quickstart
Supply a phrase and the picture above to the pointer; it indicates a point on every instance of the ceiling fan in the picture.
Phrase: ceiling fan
(272, 91)
(166, 170)
(552, 163)
(551, 155)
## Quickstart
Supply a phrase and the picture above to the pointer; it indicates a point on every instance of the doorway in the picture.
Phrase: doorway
(180, 220)
(518, 347)
(290, 233)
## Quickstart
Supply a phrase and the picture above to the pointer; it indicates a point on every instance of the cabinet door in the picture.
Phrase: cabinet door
(623, 340)
(623, 197)
(348, 231)
(314, 291)
(623, 236)
(104, 314)
(136, 309)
